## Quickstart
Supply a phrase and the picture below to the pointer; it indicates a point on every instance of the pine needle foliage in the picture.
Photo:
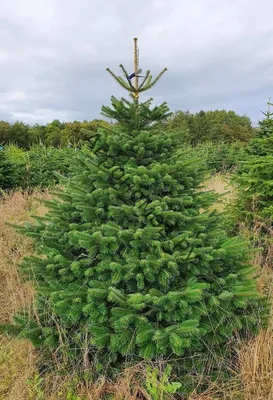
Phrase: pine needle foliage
(131, 255)
(9, 173)
(254, 205)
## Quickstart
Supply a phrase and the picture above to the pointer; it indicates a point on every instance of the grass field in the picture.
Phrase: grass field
(19, 363)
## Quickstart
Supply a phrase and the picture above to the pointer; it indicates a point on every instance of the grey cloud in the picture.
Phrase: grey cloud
(54, 54)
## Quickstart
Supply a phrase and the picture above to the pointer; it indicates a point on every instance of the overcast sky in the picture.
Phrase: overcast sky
(54, 53)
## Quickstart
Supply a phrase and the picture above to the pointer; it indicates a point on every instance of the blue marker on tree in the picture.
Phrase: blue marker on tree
(133, 74)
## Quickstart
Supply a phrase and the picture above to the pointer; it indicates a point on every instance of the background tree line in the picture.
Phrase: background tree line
(56, 133)
(219, 126)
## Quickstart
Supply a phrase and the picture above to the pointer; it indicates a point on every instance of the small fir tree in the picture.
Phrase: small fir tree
(9, 173)
(254, 203)
(45, 164)
(133, 261)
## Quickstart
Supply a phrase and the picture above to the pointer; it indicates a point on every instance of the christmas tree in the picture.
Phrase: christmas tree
(133, 262)
(254, 203)
(9, 172)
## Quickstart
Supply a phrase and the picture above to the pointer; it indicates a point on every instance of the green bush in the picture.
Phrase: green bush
(253, 207)
(158, 383)
(18, 157)
(254, 178)
(43, 163)
(38, 167)
(226, 157)
(16, 154)
(9, 172)
(222, 157)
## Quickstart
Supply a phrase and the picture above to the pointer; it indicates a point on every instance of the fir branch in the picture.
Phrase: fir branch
(144, 80)
(120, 80)
(127, 75)
(150, 85)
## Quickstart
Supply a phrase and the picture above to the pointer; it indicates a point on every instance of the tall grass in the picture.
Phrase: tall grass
(17, 358)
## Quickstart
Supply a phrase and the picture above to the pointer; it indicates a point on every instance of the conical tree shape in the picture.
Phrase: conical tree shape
(261, 144)
(254, 204)
(132, 257)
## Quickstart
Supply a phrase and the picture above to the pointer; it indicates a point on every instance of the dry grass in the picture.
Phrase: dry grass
(13, 247)
(127, 386)
(17, 359)
(256, 367)
(253, 373)
(253, 376)
(220, 184)
(17, 367)
(256, 357)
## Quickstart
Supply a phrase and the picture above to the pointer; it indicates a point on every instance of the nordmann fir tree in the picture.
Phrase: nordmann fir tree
(133, 261)
(254, 202)
(9, 172)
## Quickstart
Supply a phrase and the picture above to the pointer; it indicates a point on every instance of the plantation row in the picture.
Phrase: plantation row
(219, 126)
(42, 166)
(56, 133)
(36, 168)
